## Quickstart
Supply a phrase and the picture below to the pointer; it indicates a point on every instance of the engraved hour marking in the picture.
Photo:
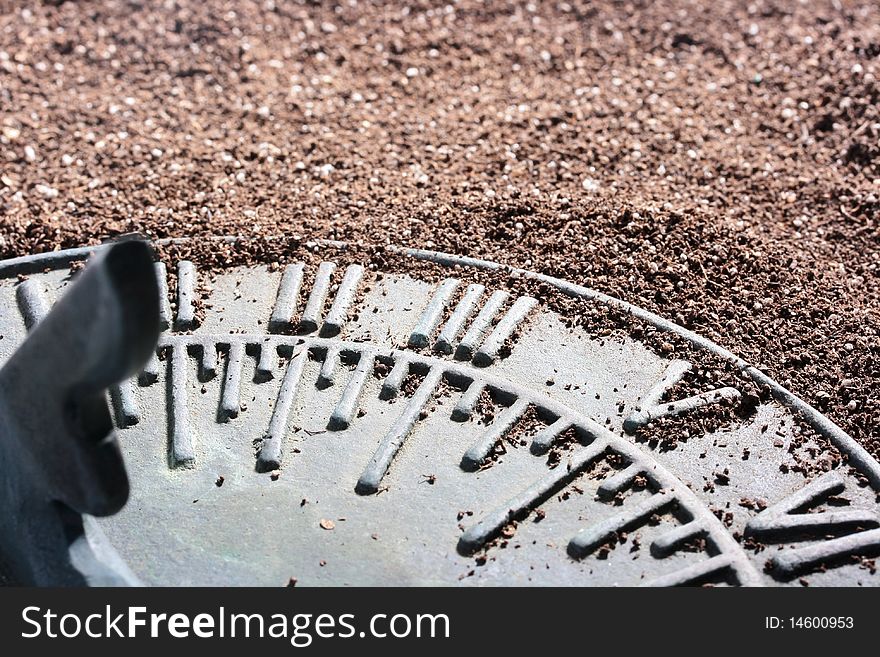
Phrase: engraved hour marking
(488, 352)
(633, 513)
(667, 543)
(327, 375)
(468, 400)
(186, 282)
(285, 304)
(793, 561)
(462, 311)
(650, 407)
(150, 373)
(230, 402)
(182, 452)
(32, 302)
(696, 573)
(619, 481)
(266, 361)
(430, 318)
(347, 408)
(545, 437)
(208, 352)
(271, 449)
(164, 305)
(125, 402)
(779, 522)
(392, 383)
(480, 325)
(311, 316)
(476, 455)
(477, 535)
(394, 439)
(344, 298)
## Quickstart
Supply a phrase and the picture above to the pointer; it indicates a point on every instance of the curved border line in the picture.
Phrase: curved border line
(857, 455)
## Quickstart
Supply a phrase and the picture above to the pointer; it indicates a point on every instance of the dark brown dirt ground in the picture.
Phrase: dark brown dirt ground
(716, 162)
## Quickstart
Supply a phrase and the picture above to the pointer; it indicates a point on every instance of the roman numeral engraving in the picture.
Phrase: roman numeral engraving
(488, 352)
(492, 524)
(474, 335)
(431, 316)
(476, 345)
(650, 407)
(287, 300)
(631, 514)
(285, 304)
(782, 522)
(459, 316)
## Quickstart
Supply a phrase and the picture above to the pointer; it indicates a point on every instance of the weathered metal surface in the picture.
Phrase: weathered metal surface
(325, 424)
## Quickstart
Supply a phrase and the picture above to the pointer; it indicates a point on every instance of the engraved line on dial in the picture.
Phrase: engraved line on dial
(631, 513)
(285, 303)
(436, 368)
(186, 282)
(32, 302)
(668, 543)
(650, 407)
(311, 316)
(230, 401)
(392, 383)
(345, 294)
(272, 448)
(460, 315)
(164, 305)
(696, 573)
(492, 524)
(781, 522)
(327, 375)
(500, 427)
(468, 400)
(431, 316)
(380, 462)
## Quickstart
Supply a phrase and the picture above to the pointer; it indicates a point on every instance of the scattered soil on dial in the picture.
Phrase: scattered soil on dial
(717, 163)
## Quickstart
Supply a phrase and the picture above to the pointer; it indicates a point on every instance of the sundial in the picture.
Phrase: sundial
(336, 425)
